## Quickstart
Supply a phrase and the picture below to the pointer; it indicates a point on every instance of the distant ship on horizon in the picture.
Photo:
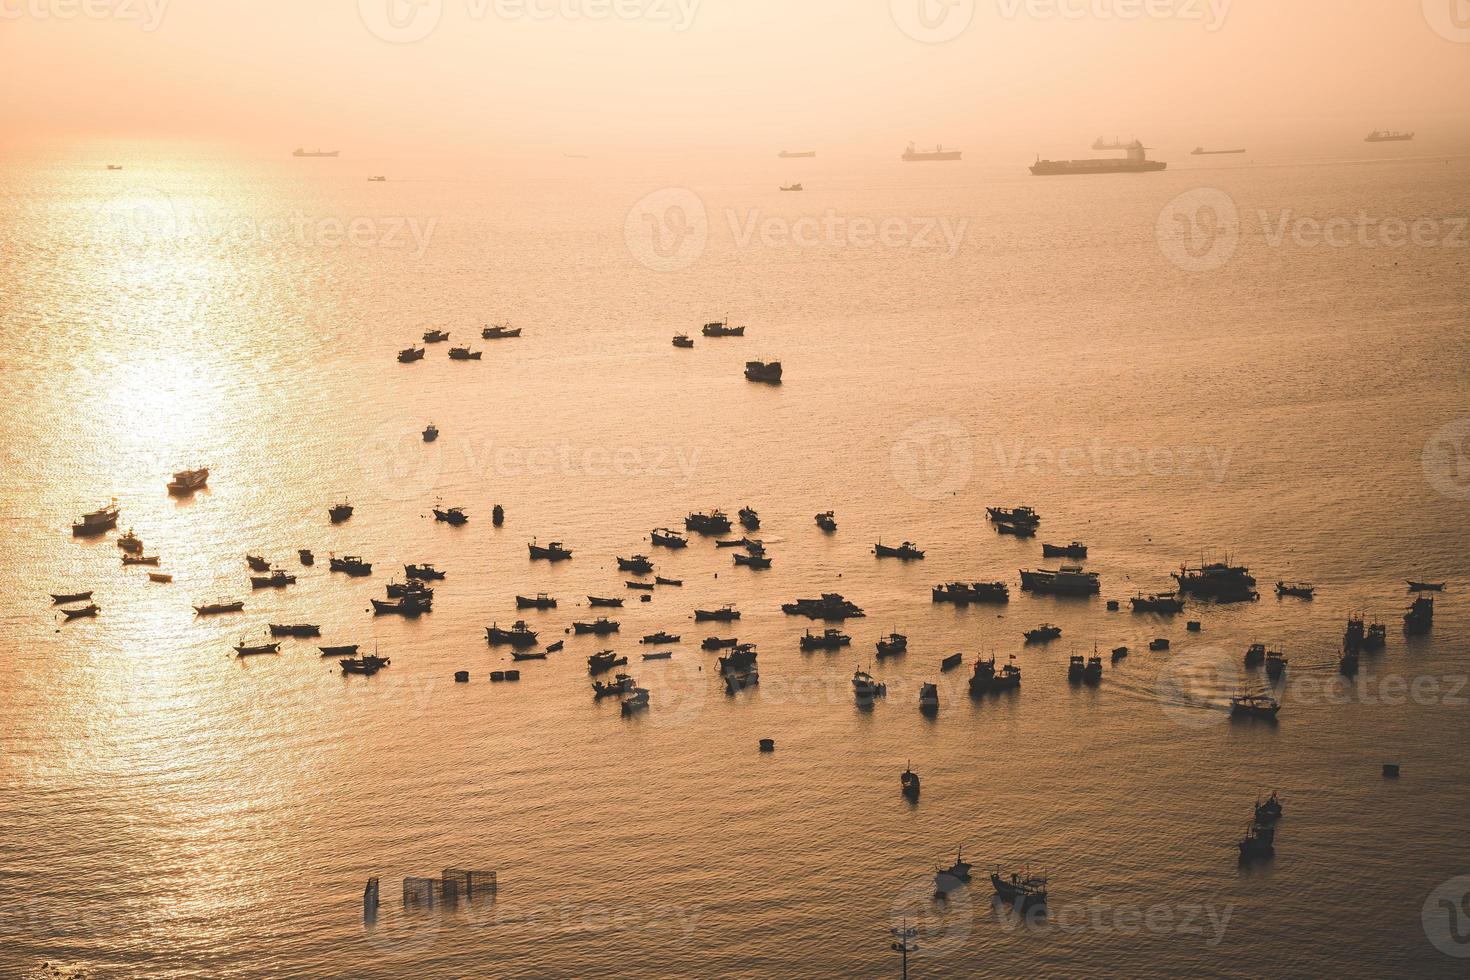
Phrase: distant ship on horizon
(299, 152)
(798, 155)
(1135, 162)
(1200, 151)
(913, 155)
(1387, 136)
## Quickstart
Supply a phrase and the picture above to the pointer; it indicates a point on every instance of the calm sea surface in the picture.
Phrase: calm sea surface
(169, 810)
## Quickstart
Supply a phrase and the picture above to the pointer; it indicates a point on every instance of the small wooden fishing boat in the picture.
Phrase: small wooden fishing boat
(295, 629)
(160, 577)
(725, 614)
(61, 598)
(243, 649)
(345, 650)
(464, 354)
(528, 655)
(641, 586)
(952, 661)
(410, 354)
(601, 601)
(423, 572)
(1426, 586)
(660, 655)
(541, 601)
(601, 626)
(909, 782)
(550, 552)
(91, 609)
(306, 557)
(219, 606)
(827, 521)
(683, 340)
(758, 562)
(257, 563)
(339, 512)
(654, 639)
(140, 560)
(556, 647)
(453, 515)
(1024, 890)
(660, 580)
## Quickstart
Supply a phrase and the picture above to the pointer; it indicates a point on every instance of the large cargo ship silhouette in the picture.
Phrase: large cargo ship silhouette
(915, 155)
(1135, 162)
(1387, 136)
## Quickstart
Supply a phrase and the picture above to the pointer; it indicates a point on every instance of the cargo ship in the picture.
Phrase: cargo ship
(1387, 136)
(915, 155)
(299, 152)
(1135, 162)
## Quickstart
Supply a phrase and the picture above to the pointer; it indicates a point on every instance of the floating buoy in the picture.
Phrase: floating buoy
(1112, 605)
(1391, 770)
(768, 745)
(497, 676)
(461, 677)
(1192, 626)
(512, 675)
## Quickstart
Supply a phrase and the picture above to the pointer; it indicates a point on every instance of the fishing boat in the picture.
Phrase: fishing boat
(540, 601)
(1068, 580)
(295, 629)
(339, 512)
(140, 560)
(464, 354)
(219, 606)
(130, 543)
(964, 593)
(497, 515)
(257, 563)
(1013, 515)
(1015, 530)
(277, 579)
(791, 187)
(186, 482)
(453, 515)
(606, 660)
(1024, 890)
(163, 577)
(431, 432)
(892, 645)
(659, 655)
(1075, 666)
(1254, 704)
(753, 561)
(865, 688)
(830, 639)
(634, 702)
(929, 698)
(724, 614)
(243, 649)
(601, 626)
(618, 685)
(1376, 637)
(436, 336)
(715, 643)
(1008, 679)
(739, 668)
(1255, 655)
(1275, 664)
(675, 582)
(908, 781)
(715, 522)
(397, 590)
(639, 586)
(653, 639)
(638, 565)
(499, 331)
(1092, 673)
(97, 522)
(1259, 841)
(951, 662)
(749, 519)
(305, 556)
(1074, 550)
(1119, 653)
(831, 606)
(91, 609)
(1300, 590)
(1220, 581)
(1159, 643)
(1420, 616)
(528, 655)
(1167, 603)
(344, 650)
(722, 328)
(1044, 633)
(410, 354)
(1269, 811)
(551, 552)
(62, 598)
(763, 372)
(662, 537)
(683, 340)
(1426, 586)
(367, 665)
(733, 543)
(350, 564)
(827, 521)
(596, 601)
(423, 572)
(906, 551)
(948, 879)
(411, 605)
(519, 635)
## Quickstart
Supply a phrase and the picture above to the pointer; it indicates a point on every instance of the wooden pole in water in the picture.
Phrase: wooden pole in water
(904, 945)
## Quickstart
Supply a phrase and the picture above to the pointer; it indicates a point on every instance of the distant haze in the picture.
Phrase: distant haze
(525, 77)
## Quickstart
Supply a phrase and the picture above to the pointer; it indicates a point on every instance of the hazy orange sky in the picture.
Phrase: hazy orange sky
(501, 76)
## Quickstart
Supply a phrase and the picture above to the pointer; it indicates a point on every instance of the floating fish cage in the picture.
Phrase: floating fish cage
(453, 885)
